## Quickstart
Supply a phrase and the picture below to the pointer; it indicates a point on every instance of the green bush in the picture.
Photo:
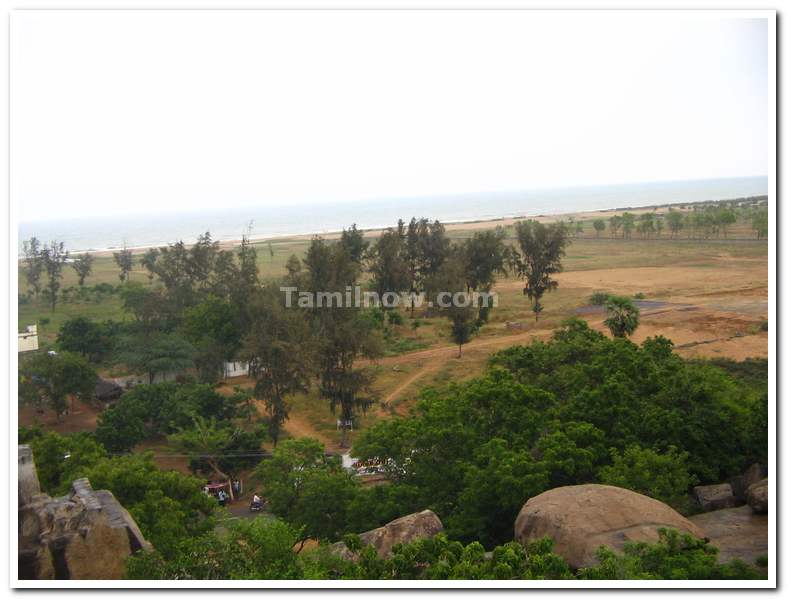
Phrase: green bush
(599, 298)
(661, 475)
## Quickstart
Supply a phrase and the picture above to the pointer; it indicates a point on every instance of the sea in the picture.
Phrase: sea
(271, 221)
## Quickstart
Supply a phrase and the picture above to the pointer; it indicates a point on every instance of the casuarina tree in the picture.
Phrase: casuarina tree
(542, 249)
(83, 265)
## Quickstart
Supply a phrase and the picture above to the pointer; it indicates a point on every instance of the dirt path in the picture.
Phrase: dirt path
(298, 426)
(451, 351)
(404, 385)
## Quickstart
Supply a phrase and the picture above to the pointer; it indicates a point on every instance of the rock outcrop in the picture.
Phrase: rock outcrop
(581, 518)
(421, 525)
(85, 535)
(715, 497)
(757, 497)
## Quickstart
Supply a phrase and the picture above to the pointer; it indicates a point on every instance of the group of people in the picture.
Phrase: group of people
(223, 497)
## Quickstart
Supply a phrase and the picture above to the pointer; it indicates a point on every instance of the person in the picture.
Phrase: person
(222, 497)
(255, 499)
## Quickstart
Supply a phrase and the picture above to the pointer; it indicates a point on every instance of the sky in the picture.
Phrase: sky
(120, 112)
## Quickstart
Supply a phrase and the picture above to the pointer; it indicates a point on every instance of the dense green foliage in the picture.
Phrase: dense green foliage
(263, 550)
(162, 409)
(663, 476)
(580, 408)
(50, 378)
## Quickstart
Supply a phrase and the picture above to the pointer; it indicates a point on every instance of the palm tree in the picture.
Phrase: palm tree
(622, 316)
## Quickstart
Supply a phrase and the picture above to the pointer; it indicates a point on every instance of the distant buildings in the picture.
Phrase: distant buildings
(28, 339)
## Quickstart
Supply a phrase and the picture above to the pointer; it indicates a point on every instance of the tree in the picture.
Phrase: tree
(308, 489)
(293, 268)
(542, 247)
(277, 350)
(83, 336)
(83, 265)
(125, 261)
(201, 261)
(627, 223)
(340, 334)
(206, 441)
(659, 226)
(34, 263)
(352, 240)
(759, 223)
(725, 217)
(212, 328)
(53, 257)
(122, 426)
(622, 316)
(388, 267)
(615, 223)
(647, 224)
(661, 475)
(599, 225)
(485, 255)
(674, 222)
(162, 353)
(150, 309)
(59, 458)
(56, 376)
(148, 262)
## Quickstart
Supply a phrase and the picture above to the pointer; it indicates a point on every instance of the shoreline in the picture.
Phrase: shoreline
(450, 226)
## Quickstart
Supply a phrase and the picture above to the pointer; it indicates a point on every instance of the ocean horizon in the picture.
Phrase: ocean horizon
(103, 233)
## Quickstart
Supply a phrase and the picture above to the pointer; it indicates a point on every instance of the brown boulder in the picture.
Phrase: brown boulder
(582, 518)
(715, 497)
(421, 525)
(757, 496)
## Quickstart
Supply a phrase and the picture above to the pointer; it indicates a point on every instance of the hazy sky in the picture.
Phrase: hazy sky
(118, 112)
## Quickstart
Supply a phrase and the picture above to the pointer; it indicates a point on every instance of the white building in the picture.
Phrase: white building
(233, 369)
(28, 339)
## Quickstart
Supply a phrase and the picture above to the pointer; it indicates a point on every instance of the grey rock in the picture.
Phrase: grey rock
(715, 497)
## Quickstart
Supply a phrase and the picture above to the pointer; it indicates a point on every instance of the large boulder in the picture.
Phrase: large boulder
(757, 497)
(84, 535)
(715, 497)
(582, 518)
(421, 525)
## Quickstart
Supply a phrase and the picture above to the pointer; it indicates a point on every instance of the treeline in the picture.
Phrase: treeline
(206, 306)
(693, 221)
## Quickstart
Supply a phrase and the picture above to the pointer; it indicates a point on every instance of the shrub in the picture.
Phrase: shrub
(599, 298)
